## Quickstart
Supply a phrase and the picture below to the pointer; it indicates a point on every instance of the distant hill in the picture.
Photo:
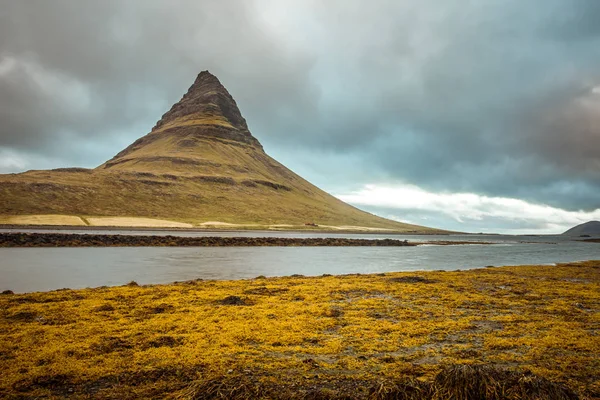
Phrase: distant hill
(591, 228)
(199, 167)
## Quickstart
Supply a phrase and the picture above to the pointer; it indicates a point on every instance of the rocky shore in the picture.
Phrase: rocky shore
(591, 240)
(95, 240)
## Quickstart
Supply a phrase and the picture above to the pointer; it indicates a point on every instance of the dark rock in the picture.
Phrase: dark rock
(226, 180)
(104, 308)
(161, 308)
(24, 316)
(249, 183)
(272, 185)
(100, 240)
(265, 291)
(233, 301)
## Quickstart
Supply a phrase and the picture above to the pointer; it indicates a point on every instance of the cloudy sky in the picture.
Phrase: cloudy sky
(479, 116)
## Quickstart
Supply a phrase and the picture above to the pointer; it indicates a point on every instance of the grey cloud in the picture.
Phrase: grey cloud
(492, 97)
(131, 61)
(490, 105)
(489, 224)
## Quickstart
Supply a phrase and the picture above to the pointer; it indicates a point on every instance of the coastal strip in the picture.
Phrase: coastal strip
(99, 240)
(525, 332)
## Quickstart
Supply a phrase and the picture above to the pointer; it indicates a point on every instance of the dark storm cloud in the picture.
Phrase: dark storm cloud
(106, 71)
(495, 97)
(491, 97)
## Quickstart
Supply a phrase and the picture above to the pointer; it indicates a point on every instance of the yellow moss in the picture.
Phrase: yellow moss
(366, 326)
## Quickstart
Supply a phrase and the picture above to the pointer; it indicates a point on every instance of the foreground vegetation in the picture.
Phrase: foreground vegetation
(385, 336)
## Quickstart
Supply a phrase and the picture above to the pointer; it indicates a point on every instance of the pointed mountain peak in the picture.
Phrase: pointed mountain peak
(206, 117)
(206, 103)
(204, 84)
(206, 77)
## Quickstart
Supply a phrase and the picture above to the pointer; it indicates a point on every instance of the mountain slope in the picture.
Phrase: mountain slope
(199, 163)
(591, 228)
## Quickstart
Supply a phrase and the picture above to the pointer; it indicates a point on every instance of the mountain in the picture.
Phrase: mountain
(591, 228)
(199, 166)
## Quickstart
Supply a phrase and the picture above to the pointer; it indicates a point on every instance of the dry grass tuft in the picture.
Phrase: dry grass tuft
(455, 382)
(231, 387)
(234, 301)
(486, 382)
(407, 389)
(470, 382)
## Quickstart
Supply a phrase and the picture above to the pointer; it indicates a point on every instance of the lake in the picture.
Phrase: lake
(41, 269)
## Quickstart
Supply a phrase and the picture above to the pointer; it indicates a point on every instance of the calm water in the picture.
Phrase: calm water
(40, 269)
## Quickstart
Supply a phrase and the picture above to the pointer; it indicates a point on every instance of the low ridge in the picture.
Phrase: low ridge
(591, 228)
(199, 166)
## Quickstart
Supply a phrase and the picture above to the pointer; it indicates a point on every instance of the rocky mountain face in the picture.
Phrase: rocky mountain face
(199, 163)
(206, 98)
(207, 110)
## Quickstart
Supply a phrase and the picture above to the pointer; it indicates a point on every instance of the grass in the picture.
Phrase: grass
(179, 197)
(387, 336)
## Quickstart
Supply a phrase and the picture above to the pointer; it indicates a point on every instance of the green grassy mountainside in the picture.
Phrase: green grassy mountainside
(198, 166)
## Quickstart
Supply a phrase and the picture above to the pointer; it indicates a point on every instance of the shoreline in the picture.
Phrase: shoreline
(291, 276)
(320, 337)
(118, 240)
(590, 240)
(213, 228)
(295, 276)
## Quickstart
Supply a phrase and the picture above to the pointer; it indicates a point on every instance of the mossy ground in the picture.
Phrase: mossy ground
(302, 332)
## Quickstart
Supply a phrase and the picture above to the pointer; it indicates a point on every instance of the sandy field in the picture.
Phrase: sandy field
(355, 228)
(137, 222)
(70, 220)
(140, 222)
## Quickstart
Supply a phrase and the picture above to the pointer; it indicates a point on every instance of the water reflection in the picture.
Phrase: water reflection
(37, 269)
